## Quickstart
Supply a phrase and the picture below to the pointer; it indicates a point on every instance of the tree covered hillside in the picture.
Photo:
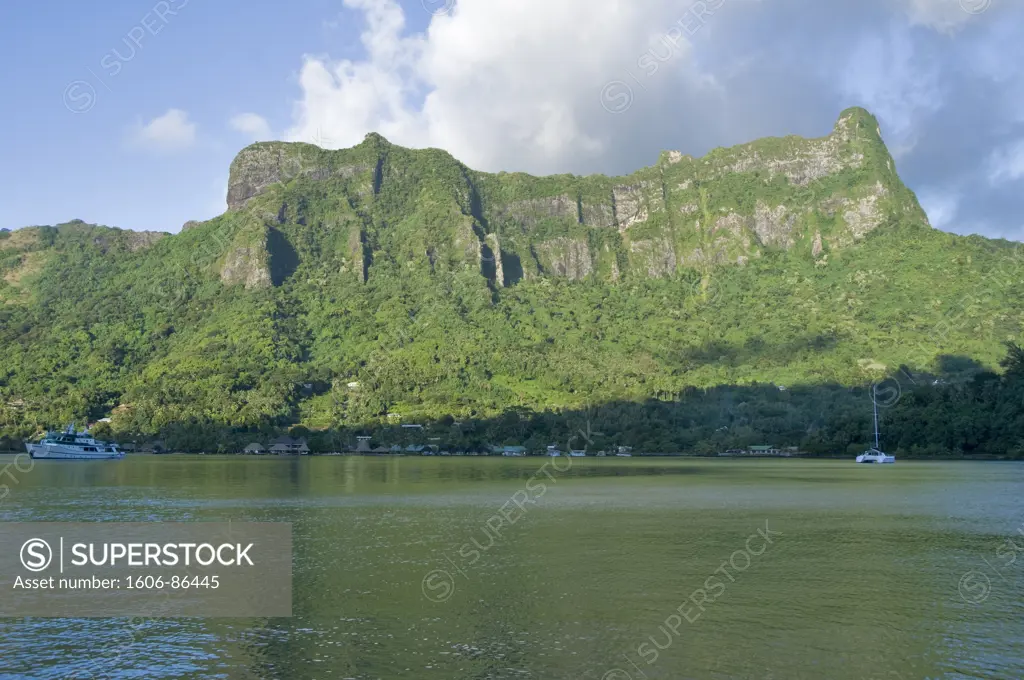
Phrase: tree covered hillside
(343, 286)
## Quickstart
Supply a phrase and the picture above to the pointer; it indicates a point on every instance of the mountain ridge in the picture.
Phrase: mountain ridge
(445, 293)
(822, 194)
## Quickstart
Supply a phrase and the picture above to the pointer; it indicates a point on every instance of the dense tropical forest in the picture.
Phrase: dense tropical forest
(751, 296)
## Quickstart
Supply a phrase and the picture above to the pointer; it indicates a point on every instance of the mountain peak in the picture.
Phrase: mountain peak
(858, 122)
(375, 138)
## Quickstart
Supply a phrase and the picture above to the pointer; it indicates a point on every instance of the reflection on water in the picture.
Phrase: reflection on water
(618, 568)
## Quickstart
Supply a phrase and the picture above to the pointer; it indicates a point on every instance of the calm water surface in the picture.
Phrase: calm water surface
(872, 573)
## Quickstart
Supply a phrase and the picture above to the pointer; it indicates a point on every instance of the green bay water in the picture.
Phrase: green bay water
(873, 572)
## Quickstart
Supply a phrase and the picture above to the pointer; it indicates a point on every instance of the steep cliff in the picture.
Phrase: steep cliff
(808, 195)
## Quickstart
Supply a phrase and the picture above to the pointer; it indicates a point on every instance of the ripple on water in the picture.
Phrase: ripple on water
(862, 584)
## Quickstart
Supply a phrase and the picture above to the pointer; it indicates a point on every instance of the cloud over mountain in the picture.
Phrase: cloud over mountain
(603, 85)
(171, 132)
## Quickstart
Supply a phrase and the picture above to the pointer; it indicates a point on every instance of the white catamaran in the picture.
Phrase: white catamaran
(71, 445)
(875, 455)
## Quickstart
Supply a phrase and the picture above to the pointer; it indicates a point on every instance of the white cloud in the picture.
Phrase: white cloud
(887, 75)
(940, 205)
(518, 84)
(501, 84)
(167, 133)
(252, 125)
(602, 85)
(1007, 164)
(945, 15)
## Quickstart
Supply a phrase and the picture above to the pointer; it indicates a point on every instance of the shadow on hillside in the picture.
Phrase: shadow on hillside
(513, 268)
(756, 349)
(953, 412)
(283, 258)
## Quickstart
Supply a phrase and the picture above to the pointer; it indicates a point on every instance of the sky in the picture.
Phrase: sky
(129, 112)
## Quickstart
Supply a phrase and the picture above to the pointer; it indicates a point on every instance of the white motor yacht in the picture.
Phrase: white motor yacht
(71, 445)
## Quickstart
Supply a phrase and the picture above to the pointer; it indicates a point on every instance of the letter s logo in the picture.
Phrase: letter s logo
(36, 554)
(440, 585)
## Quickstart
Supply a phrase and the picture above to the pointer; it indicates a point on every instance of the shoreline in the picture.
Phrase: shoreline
(647, 456)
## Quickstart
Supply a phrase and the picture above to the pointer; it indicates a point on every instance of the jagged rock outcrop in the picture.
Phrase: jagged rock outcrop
(261, 166)
(774, 226)
(813, 159)
(499, 270)
(246, 265)
(566, 257)
(247, 260)
(866, 213)
(528, 213)
(634, 203)
(422, 207)
(600, 215)
(656, 257)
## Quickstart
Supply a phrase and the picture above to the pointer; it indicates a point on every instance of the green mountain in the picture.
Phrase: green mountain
(344, 286)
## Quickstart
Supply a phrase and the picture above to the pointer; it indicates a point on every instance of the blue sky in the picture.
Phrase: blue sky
(128, 113)
(213, 60)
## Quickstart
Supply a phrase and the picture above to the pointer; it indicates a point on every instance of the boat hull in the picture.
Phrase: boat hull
(57, 452)
(876, 459)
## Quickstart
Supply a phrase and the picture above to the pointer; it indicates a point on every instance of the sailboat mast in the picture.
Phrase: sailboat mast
(874, 402)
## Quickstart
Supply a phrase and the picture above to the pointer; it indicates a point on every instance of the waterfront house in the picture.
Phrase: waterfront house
(763, 450)
(513, 451)
(289, 446)
(255, 448)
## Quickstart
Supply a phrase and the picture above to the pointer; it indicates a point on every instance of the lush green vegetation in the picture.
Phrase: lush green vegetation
(330, 302)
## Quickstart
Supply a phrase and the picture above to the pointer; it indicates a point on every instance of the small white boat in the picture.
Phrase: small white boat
(577, 454)
(875, 454)
(553, 451)
(71, 445)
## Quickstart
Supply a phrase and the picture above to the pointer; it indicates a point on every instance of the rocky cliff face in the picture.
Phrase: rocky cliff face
(423, 208)
(262, 166)
(247, 265)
